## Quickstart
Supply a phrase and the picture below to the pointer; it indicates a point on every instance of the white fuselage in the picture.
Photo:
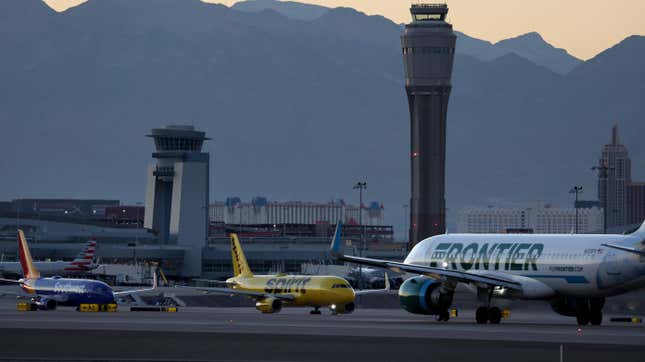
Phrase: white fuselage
(46, 268)
(545, 265)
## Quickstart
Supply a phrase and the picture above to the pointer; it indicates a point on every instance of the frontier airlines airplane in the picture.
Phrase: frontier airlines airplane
(572, 272)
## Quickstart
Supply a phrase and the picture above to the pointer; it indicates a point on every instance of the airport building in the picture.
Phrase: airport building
(428, 47)
(539, 219)
(177, 192)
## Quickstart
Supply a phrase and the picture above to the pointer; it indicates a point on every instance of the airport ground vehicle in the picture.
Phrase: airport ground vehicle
(572, 272)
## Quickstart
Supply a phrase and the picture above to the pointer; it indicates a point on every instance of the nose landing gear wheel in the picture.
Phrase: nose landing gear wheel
(316, 311)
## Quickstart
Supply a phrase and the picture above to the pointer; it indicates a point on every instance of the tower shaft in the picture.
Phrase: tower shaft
(428, 45)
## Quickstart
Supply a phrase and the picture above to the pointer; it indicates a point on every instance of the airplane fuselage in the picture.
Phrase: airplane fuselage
(572, 265)
(47, 268)
(313, 291)
(69, 292)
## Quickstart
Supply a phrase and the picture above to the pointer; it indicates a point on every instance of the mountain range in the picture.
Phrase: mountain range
(296, 109)
(530, 46)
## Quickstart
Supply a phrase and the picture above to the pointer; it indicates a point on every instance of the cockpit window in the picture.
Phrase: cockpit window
(336, 286)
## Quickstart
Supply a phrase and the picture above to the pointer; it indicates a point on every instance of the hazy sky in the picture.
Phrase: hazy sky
(583, 27)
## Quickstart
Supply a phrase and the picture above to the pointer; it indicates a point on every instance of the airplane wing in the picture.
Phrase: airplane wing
(625, 248)
(221, 283)
(247, 293)
(485, 278)
(10, 281)
(385, 290)
(135, 291)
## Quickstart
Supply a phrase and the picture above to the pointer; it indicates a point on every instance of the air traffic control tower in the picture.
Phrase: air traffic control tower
(177, 193)
(428, 52)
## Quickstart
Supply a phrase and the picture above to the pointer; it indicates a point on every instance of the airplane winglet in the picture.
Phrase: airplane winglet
(154, 279)
(387, 282)
(335, 241)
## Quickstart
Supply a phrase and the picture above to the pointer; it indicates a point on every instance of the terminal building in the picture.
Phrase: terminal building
(180, 231)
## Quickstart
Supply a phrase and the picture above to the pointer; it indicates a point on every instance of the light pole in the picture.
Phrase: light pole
(405, 224)
(360, 186)
(576, 190)
(603, 174)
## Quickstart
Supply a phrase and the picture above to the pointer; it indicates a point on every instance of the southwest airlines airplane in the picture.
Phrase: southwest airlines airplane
(50, 292)
(272, 292)
(83, 263)
(572, 272)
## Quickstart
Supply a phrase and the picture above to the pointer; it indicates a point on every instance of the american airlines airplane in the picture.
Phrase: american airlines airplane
(84, 262)
(572, 272)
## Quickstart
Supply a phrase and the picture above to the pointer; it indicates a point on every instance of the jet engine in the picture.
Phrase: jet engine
(423, 295)
(343, 309)
(269, 305)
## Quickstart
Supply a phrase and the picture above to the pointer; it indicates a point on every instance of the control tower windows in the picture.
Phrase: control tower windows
(178, 144)
(429, 17)
(429, 50)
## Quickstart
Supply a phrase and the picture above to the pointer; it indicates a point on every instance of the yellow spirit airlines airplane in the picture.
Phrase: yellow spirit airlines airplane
(572, 272)
(272, 292)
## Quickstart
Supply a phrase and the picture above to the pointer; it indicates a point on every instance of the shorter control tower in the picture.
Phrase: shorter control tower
(177, 193)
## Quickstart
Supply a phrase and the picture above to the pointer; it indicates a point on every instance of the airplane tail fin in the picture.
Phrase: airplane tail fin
(335, 246)
(84, 261)
(240, 265)
(640, 230)
(28, 269)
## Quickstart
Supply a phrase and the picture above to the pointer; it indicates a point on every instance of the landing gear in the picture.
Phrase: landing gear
(481, 315)
(493, 315)
(316, 311)
(589, 311)
(485, 314)
(443, 316)
(595, 317)
(595, 306)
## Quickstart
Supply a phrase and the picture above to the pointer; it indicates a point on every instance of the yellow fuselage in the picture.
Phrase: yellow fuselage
(312, 291)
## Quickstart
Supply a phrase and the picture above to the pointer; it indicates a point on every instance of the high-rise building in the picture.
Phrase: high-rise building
(636, 202)
(261, 211)
(177, 194)
(428, 45)
(614, 176)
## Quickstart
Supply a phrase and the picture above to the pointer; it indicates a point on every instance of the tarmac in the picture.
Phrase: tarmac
(244, 334)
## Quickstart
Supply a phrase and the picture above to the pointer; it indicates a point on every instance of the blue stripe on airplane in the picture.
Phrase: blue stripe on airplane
(571, 279)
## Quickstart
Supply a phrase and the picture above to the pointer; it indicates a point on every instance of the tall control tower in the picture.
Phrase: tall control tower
(177, 193)
(428, 52)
